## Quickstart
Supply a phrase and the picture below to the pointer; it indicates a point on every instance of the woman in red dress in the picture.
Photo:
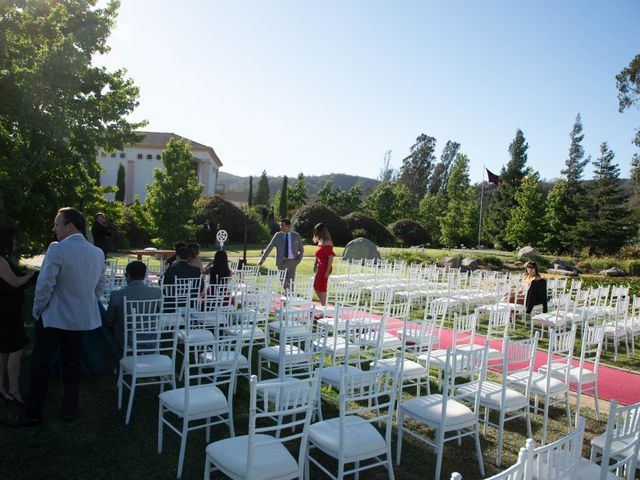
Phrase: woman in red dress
(324, 260)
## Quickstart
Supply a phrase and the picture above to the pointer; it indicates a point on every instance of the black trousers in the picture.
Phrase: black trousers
(46, 343)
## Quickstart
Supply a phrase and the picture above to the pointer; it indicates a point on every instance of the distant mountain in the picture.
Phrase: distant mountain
(234, 183)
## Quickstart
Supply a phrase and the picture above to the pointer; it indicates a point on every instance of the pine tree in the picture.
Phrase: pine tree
(525, 227)
(262, 192)
(120, 184)
(503, 198)
(607, 224)
(283, 198)
(442, 170)
(171, 195)
(297, 194)
(558, 220)
(459, 225)
(416, 168)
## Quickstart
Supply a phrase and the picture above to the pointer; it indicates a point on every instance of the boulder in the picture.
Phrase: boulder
(560, 264)
(360, 249)
(470, 263)
(612, 272)
(564, 273)
(451, 262)
(526, 252)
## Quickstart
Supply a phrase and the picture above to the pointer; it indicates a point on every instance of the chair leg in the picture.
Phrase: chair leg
(439, 452)
(544, 421)
(400, 432)
(132, 392)
(500, 439)
(207, 467)
(183, 446)
(120, 380)
(566, 400)
(389, 464)
(528, 415)
(160, 427)
(479, 451)
(596, 401)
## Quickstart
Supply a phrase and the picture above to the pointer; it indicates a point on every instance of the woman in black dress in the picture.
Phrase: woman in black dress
(13, 336)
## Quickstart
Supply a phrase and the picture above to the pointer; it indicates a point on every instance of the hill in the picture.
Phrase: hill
(235, 183)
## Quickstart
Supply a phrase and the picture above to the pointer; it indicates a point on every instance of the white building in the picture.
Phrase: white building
(139, 161)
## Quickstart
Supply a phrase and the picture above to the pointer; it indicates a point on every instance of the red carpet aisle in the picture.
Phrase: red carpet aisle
(613, 383)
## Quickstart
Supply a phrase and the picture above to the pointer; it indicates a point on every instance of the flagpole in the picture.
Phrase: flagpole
(481, 202)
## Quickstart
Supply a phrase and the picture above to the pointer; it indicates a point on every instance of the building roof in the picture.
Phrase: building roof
(160, 140)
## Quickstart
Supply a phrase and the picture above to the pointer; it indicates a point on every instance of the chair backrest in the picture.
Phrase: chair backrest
(176, 296)
(518, 356)
(464, 330)
(370, 394)
(624, 421)
(130, 308)
(560, 353)
(498, 326)
(623, 428)
(280, 412)
(213, 362)
(154, 334)
(464, 374)
(438, 312)
(591, 348)
(558, 460)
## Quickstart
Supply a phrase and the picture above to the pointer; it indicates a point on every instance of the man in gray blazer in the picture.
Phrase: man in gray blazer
(70, 283)
(136, 289)
(289, 251)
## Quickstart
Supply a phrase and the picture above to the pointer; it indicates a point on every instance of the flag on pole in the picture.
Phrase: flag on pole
(493, 178)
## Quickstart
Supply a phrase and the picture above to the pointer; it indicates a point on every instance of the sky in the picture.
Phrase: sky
(328, 86)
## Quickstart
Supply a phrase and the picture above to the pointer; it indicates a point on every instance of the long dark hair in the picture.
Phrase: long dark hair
(7, 235)
(219, 268)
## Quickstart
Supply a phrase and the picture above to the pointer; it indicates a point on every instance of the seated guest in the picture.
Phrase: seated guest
(181, 268)
(172, 258)
(136, 289)
(194, 259)
(219, 271)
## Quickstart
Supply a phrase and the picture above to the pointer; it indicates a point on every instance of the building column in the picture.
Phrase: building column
(206, 168)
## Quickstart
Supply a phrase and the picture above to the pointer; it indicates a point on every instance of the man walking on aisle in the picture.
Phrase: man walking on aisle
(289, 251)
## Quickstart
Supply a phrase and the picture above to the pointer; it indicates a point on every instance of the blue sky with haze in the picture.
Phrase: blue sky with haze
(327, 86)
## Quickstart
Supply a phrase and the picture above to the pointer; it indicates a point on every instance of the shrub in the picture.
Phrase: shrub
(408, 232)
(231, 218)
(630, 251)
(368, 227)
(491, 260)
(410, 256)
(308, 216)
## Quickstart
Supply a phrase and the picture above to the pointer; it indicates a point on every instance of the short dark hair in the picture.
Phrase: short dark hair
(7, 234)
(137, 270)
(183, 253)
(179, 245)
(286, 221)
(74, 216)
(194, 248)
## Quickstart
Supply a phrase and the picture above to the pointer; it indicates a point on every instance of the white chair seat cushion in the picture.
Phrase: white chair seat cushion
(550, 318)
(338, 345)
(410, 369)
(272, 354)
(390, 341)
(224, 357)
(203, 399)
(539, 385)
(291, 327)
(361, 439)
(196, 335)
(148, 364)
(491, 396)
(270, 461)
(438, 358)
(339, 325)
(331, 375)
(587, 470)
(428, 410)
(588, 376)
(243, 332)
(493, 354)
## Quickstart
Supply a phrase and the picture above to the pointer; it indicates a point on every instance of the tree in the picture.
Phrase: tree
(416, 168)
(386, 174)
(442, 170)
(558, 219)
(283, 199)
(338, 200)
(460, 223)
(262, 192)
(390, 202)
(525, 226)
(503, 198)
(250, 196)
(120, 185)
(430, 210)
(297, 194)
(628, 83)
(57, 109)
(574, 168)
(171, 196)
(607, 224)
(325, 192)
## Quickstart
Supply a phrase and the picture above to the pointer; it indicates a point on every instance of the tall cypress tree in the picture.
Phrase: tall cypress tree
(250, 196)
(283, 198)
(262, 192)
(459, 225)
(503, 198)
(607, 223)
(120, 184)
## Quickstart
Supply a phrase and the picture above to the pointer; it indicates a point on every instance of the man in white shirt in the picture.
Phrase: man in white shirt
(70, 283)
(289, 251)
